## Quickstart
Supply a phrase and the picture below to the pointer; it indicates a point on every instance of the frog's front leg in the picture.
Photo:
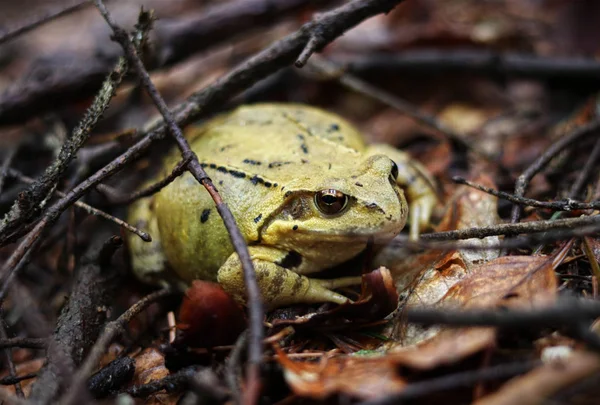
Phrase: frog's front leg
(279, 286)
(417, 183)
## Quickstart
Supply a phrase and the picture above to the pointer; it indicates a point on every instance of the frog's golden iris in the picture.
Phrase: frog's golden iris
(300, 182)
(330, 201)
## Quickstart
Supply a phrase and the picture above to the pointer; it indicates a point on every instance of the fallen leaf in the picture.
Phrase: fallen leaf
(361, 377)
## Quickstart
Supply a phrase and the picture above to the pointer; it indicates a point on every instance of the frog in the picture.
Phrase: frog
(307, 193)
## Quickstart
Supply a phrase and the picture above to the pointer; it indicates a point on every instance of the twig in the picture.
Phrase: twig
(88, 208)
(564, 313)
(586, 171)
(177, 171)
(524, 179)
(567, 205)
(231, 367)
(206, 384)
(427, 62)
(17, 379)
(354, 83)
(111, 331)
(174, 41)
(514, 229)
(220, 22)
(254, 299)
(111, 377)
(26, 343)
(26, 205)
(6, 279)
(12, 371)
(33, 235)
(5, 165)
(40, 20)
(457, 380)
(170, 383)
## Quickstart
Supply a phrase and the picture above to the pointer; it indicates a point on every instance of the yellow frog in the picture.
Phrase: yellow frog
(305, 190)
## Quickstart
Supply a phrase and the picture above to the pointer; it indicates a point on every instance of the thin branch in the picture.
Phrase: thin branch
(568, 205)
(177, 171)
(111, 331)
(173, 42)
(332, 70)
(171, 382)
(89, 209)
(567, 140)
(515, 229)
(17, 379)
(26, 343)
(586, 171)
(429, 62)
(39, 21)
(566, 312)
(12, 370)
(254, 299)
(462, 379)
(69, 148)
(27, 205)
(5, 165)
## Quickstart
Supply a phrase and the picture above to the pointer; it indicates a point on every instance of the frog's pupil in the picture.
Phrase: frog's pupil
(331, 201)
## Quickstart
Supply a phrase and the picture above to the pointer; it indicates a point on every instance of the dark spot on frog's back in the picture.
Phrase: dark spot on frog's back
(237, 173)
(204, 215)
(252, 162)
(303, 144)
(277, 164)
(291, 260)
(333, 128)
(258, 218)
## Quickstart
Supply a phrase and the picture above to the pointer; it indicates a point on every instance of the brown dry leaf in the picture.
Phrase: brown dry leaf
(515, 281)
(378, 299)
(518, 281)
(150, 366)
(541, 384)
(427, 277)
(362, 377)
(466, 208)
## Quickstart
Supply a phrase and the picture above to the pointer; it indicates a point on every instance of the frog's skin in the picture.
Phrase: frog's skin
(271, 163)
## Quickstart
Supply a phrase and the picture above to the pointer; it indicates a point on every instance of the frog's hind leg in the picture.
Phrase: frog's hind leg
(418, 184)
(279, 286)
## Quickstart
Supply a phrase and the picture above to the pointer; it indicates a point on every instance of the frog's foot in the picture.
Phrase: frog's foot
(280, 286)
(420, 210)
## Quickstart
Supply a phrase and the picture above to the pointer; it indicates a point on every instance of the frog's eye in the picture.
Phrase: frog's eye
(330, 201)
(394, 172)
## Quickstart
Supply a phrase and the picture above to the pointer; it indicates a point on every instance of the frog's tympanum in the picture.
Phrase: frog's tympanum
(305, 190)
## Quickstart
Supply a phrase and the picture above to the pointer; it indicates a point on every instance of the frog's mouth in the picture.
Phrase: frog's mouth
(359, 235)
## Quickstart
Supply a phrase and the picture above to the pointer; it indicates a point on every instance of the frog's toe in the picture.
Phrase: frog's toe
(420, 214)
(280, 286)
